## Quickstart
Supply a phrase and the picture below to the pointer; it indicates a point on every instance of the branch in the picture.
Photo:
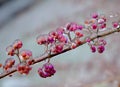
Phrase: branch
(40, 59)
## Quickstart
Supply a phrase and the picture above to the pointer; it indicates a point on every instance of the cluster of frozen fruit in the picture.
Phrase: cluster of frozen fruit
(56, 41)
(25, 59)
(59, 38)
(23, 55)
(47, 70)
(98, 23)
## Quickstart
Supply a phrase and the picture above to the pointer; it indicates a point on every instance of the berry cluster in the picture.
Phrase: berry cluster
(97, 22)
(25, 55)
(58, 39)
(14, 49)
(47, 70)
(97, 45)
(23, 69)
(11, 49)
(8, 64)
(70, 36)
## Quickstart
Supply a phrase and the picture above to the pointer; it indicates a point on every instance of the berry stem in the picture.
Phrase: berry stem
(40, 59)
(69, 36)
(17, 54)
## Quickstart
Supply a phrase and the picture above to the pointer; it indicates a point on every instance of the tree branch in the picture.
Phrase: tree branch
(40, 59)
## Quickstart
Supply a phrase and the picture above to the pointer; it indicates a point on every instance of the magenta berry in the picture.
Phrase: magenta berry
(54, 34)
(102, 26)
(72, 26)
(94, 26)
(62, 38)
(42, 39)
(101, 49)
(60, 30)
(80, 27)
(101, 21)
(57, 48)
(115, 24)
(94, 15)
(47, 70)
(93, 49)
(50, 39)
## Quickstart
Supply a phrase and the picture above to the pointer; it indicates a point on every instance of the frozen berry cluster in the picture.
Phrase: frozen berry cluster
(58, 39)
(9, 63)
(97, 22)
(97, 45)
(24, 69)
(24, 57)
(47, 70)
(69, 36)
(11, 49)
(14, 49)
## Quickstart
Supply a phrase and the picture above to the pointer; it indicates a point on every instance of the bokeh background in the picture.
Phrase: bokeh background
(26, 19)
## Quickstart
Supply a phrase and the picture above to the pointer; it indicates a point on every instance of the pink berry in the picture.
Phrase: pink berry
(57, 48)
(50, 39)
(78, 34)
(25, 55)
(62, 38)
(73, 45)
(9, 63)
(60, 30)
(102, 26)
(72, 26)
(80, 27)
(101, 21)
(93, 49)
(78, 42)
(115, 24)
(17, 44)
(42, 39)
(94, 15)
(101, 49)
(24, 69)
(46, 71)
(54, 34)
(88, 40)
(94, 26)
(102, 42)
(10, 50)
(30, 61)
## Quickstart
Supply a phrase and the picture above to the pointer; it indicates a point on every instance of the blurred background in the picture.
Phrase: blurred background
(26, 19)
